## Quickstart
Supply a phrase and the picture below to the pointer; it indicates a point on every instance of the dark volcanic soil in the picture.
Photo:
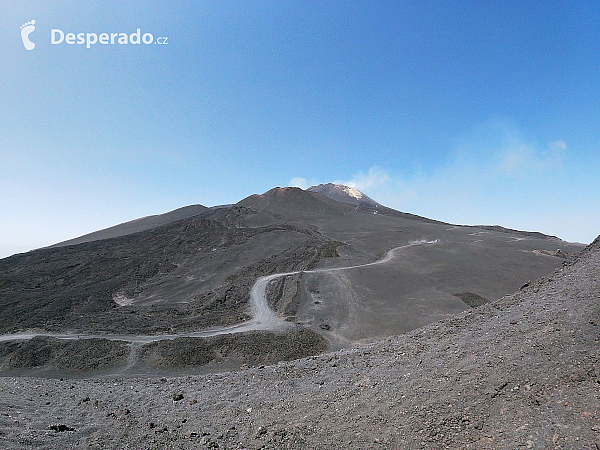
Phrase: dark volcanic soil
(64, 358)
(197, 268)
(520, 372)
(47, 355)
(253, 348)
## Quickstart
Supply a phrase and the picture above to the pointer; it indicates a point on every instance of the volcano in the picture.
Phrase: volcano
(334, 267)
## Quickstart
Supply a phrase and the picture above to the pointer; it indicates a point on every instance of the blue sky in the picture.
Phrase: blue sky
(467, 112)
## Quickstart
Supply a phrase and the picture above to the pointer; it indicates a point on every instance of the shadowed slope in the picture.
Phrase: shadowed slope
(137, 225)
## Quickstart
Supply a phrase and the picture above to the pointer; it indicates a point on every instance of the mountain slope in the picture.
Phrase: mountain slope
(190, 274)
(137, 225)
(198, 272)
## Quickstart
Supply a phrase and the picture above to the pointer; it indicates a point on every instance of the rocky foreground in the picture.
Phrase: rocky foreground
(522, 372)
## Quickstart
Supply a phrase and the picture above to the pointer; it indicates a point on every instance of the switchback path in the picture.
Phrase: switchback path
(263, 317)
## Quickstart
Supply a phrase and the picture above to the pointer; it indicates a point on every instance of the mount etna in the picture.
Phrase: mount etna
(277, 276)
(332, 321)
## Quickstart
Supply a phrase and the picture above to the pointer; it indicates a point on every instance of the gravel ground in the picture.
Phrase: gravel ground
(521, 372)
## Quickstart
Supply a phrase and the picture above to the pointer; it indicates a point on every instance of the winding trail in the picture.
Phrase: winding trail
(263, 317)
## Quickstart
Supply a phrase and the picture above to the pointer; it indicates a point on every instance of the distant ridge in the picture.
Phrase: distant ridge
(293, 202)
(345, 194)
(535, 234)
(137, 225)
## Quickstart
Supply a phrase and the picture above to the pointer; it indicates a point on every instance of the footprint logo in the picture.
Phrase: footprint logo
(26, 30)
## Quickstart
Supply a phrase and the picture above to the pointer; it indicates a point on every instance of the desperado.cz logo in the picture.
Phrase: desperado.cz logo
(58, 36)
(89, 39)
